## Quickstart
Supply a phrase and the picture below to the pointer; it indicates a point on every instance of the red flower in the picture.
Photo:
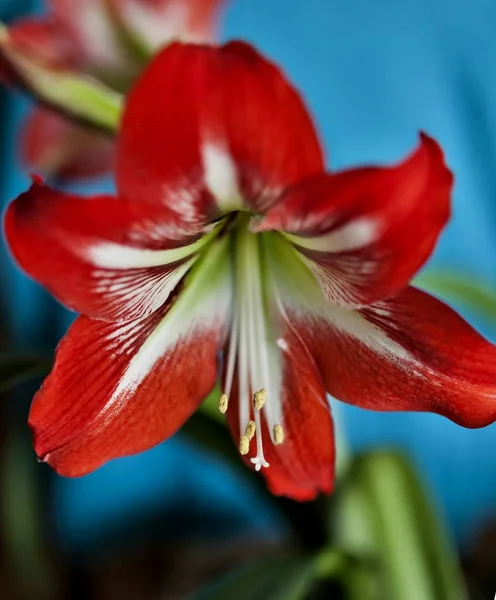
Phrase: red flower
(110, 40)
(228, 244)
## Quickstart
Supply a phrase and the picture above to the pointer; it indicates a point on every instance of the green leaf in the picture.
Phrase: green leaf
(267, 578)
(15, 369)
(383, 515)
(459, 288)
(23, 517)
(80, 97)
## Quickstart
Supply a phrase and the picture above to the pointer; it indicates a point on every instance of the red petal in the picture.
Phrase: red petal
(55, 146)
(367, 231)
(206, 128)
(94, 32)
(118, 389)
(97, 255)
(47, 41)
(411, 353)
(303, 465)
(202, 19)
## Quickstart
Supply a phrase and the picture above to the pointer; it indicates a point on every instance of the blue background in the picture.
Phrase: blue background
(373, 75)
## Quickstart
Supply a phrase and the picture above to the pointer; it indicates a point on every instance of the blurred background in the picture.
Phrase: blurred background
(164, 523)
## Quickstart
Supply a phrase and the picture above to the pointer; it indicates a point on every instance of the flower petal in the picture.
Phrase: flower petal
(55, 146)
(410, 353)
(208, 130)
(118, 389)
(101, 256)
(45, 40)
(94, 32)
(303, 465)
(64, 89)
(366, 232)
(158, 22)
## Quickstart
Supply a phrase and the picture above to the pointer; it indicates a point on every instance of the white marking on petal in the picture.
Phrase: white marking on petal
(107, 255)
(137, 294)
(156, 25)
(342, 279)
(183, 197)
(199, 309)
(221, 176)
(353, 236)
(98, 33)
(353, 323)
(298, 289)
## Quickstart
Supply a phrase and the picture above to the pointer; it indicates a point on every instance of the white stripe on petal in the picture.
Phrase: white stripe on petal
(354, 324)
(137, 293)
(203, 306)
(299, 289)
(107, 255)
(355, 235)
(156, 25)
(221, 176)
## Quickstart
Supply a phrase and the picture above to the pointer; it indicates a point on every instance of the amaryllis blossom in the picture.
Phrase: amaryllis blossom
(110, 40)
(230, 254)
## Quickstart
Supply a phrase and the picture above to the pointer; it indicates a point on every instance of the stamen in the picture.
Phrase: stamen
(223, 403)
(244, 445)
(278, 434)
(259, 399)
(248, 352)
(250, 430)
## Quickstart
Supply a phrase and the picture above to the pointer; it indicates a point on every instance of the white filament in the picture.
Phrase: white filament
(248, 344)
(257, 343)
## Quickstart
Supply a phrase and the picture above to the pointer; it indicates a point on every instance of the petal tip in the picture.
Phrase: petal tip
(37, 180)
(434, 150)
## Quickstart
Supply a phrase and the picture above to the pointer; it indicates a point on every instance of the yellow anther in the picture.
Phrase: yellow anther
(250, 430)
(278, 434)
(244, 444)
(259, 399)
(223, 402)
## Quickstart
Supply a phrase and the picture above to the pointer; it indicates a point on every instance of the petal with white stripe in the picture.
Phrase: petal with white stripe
(365, 232)
(408, 353)
(101, 256)
(120, 388)
(235, 134)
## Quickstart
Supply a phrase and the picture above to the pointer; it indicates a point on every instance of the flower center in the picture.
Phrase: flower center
(252, 349)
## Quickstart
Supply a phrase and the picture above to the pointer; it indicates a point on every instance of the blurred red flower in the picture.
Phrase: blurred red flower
(110, 40)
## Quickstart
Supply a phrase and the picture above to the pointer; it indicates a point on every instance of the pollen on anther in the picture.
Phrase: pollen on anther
(244, 444)
(278, 434)
(223, 402)
(250, 430)
(259, 399)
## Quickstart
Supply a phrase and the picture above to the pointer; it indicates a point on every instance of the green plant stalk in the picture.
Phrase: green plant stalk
(384, 516)
(457, 287)
(84, 99)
